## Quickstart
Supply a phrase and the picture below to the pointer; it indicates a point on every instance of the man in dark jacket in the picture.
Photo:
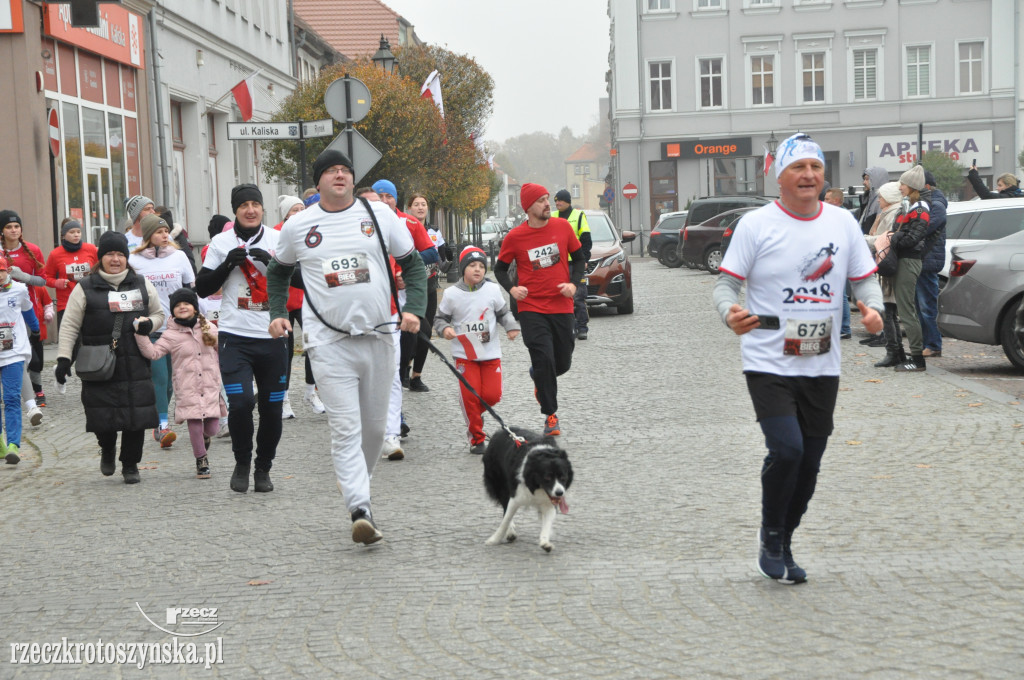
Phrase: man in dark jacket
(933, 259)
(1006, 185)
(874, 177)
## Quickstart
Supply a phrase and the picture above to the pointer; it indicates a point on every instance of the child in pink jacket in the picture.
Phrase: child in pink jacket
(192, 343)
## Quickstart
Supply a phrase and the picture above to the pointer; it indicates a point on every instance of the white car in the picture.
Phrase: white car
(979, 221)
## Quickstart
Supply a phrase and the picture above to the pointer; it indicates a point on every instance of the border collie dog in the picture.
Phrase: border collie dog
(534, 473)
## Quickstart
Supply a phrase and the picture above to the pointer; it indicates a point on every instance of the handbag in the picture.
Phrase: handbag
(886, 258)
(96, 363)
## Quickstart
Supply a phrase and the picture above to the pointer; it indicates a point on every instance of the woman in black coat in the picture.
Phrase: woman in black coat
(126, 403)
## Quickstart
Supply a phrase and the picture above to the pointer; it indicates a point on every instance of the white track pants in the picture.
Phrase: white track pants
(394, 428)
(354, 377)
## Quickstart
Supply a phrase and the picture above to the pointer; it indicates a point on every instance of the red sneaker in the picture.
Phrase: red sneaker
(551, 426)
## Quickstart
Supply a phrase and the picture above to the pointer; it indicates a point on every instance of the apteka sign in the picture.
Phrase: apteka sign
(897, 153)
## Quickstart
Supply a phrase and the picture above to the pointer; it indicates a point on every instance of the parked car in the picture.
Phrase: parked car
(703, 209)
(979, 221)
(609, 274)
(701, 244)
(985, 287)
(665, 238)
(491, 229)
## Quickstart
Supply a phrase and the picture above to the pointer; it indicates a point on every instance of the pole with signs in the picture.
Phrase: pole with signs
(629, 192)
(297, 130)
(348, 101)
(53, 123)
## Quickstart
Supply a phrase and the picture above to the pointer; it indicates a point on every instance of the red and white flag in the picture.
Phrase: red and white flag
(245, 95)
(768, 160)
(432, 88)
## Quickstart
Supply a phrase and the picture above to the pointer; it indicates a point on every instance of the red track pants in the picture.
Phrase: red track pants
(485, 377)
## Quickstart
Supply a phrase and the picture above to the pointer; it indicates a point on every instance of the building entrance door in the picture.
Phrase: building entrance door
(99, 209)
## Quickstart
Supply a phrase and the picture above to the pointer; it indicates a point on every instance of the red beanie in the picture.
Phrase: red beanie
(471, 254)
(529, 194)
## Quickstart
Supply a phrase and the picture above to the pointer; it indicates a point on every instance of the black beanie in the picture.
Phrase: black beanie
(329, 158)
(216, 225)
(183, 295)
(68, 226)
(8, 216)
(111, 241)
(243, 193)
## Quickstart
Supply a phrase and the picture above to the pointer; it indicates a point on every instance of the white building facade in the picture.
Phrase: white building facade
(699, 86)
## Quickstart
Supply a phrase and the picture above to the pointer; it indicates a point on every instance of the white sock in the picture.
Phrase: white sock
(310, 389)
(163, 424)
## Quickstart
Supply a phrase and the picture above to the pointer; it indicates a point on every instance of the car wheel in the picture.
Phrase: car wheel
(713, 258)
(670, 258)
(1011, 345)
(626, 306)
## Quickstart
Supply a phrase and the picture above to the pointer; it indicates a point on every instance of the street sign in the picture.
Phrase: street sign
(286, 130)
(358, 96)
(318, 128)
(364, 155)
(54, 125)
(630, 191)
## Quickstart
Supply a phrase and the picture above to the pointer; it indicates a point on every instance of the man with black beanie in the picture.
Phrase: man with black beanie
(578, 221)
(342, 245)
(236, 262)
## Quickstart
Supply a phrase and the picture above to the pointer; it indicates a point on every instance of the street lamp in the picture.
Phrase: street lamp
(772, 144)
(383, 57)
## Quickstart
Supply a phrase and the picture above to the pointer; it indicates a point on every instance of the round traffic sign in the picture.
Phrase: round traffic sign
(357, 97)
(54, 125)
(630, 191)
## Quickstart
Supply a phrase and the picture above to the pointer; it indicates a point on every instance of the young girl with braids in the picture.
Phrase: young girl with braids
(28, 258)
(191, 341)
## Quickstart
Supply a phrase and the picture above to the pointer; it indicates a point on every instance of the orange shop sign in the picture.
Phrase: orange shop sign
(706, 148)
(118, 37)
(12, 19)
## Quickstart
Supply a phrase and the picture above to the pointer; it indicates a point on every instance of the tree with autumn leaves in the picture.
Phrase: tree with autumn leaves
(421, 152)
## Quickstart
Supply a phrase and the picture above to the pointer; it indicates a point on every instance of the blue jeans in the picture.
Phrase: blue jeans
(846, 315)
(161, 372)
(928, 309)
(10, 379)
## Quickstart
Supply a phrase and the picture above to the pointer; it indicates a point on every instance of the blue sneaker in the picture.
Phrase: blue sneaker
(769, 557)
(794, 573)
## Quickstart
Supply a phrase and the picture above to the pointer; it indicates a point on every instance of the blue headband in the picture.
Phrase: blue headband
(796, 148)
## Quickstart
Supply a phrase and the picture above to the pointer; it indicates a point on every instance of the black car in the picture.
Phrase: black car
(701, 245)
(665, 238)
(703, 209)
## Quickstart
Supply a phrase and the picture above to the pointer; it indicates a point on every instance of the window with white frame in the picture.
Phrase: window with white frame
(659, 5)
(812, 73)
(762, 80)
(661, 85)
(710, 71)
(971, 57)
(762, 3)
(865, 74)
(709, 4)
(575, 190)
(919, 63)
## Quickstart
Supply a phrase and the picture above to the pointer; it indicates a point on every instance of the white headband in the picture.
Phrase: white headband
(796, 148)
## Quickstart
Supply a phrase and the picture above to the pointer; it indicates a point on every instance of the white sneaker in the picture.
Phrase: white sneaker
(62, 389)
(223, 431)
(313, 399)
(286, 409)
(35, 416)
(392, 449)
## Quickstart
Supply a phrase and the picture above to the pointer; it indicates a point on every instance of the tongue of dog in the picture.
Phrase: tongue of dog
(563, 505)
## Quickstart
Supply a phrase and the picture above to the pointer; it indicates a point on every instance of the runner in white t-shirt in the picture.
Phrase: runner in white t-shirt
(236, 261)
(347, 318)
(17, 319)
(795, 256)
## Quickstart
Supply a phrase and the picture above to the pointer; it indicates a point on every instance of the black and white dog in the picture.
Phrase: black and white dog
(535, 473)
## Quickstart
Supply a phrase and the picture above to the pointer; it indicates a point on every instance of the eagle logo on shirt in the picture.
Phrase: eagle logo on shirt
(818, 265)
(366, 226)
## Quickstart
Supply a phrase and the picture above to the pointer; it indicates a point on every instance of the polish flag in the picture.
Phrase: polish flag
(768, 160)
(432, 88)
(245, 95)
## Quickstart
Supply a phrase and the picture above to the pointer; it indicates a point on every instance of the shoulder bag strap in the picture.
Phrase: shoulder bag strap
(115, 335)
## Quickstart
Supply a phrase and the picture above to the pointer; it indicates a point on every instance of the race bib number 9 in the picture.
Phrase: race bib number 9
(347, 270)
(480, 329)
(808, 337)
(544, 256)
(125, 301)
(76, 271)
(6, 338)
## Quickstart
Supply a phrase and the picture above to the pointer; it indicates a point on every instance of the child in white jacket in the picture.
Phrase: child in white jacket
(468, 315)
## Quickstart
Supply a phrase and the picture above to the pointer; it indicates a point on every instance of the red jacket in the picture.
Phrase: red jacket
(67, 269)
(37, 294)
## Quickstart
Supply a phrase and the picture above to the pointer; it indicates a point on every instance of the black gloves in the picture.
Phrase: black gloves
(33, 335)
(62, 370)
(145, 327)
(234, 258)
(260, 255)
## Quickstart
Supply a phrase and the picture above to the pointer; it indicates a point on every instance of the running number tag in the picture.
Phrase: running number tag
(6, 338)
(76, 271)
(246, 300)
(479, 329)
(808, 337)
(125, 301)
(347, 270)
(544, 256)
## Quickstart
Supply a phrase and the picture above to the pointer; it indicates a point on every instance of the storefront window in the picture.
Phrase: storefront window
(664, 192)
(117, 169)
(737, 177)
(73, 161)
(95, 133)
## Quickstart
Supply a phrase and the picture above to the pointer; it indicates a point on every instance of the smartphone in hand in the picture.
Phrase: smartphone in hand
(767, 322)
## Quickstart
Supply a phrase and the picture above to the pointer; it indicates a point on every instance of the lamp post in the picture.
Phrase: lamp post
(383, 57)
(772, 144)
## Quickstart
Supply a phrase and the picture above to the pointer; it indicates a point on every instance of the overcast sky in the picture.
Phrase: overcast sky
(535, 50)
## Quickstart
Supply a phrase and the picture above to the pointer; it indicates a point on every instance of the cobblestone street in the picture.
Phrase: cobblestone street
(912, 542)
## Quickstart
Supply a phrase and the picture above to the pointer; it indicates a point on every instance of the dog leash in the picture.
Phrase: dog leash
(423, 337)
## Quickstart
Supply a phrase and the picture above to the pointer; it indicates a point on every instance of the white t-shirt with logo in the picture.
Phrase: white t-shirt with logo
(344, 270)
(167, 274)
(238, 313)
(796, 268)
(14, 344)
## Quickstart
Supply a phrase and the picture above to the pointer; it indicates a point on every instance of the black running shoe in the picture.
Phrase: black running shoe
(240, 478)
(794, 572)
(769, 557)
(363, 529)
(261, 481)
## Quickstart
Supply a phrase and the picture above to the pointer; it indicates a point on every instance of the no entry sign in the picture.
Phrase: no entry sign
(54, 126)
(630, 191)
